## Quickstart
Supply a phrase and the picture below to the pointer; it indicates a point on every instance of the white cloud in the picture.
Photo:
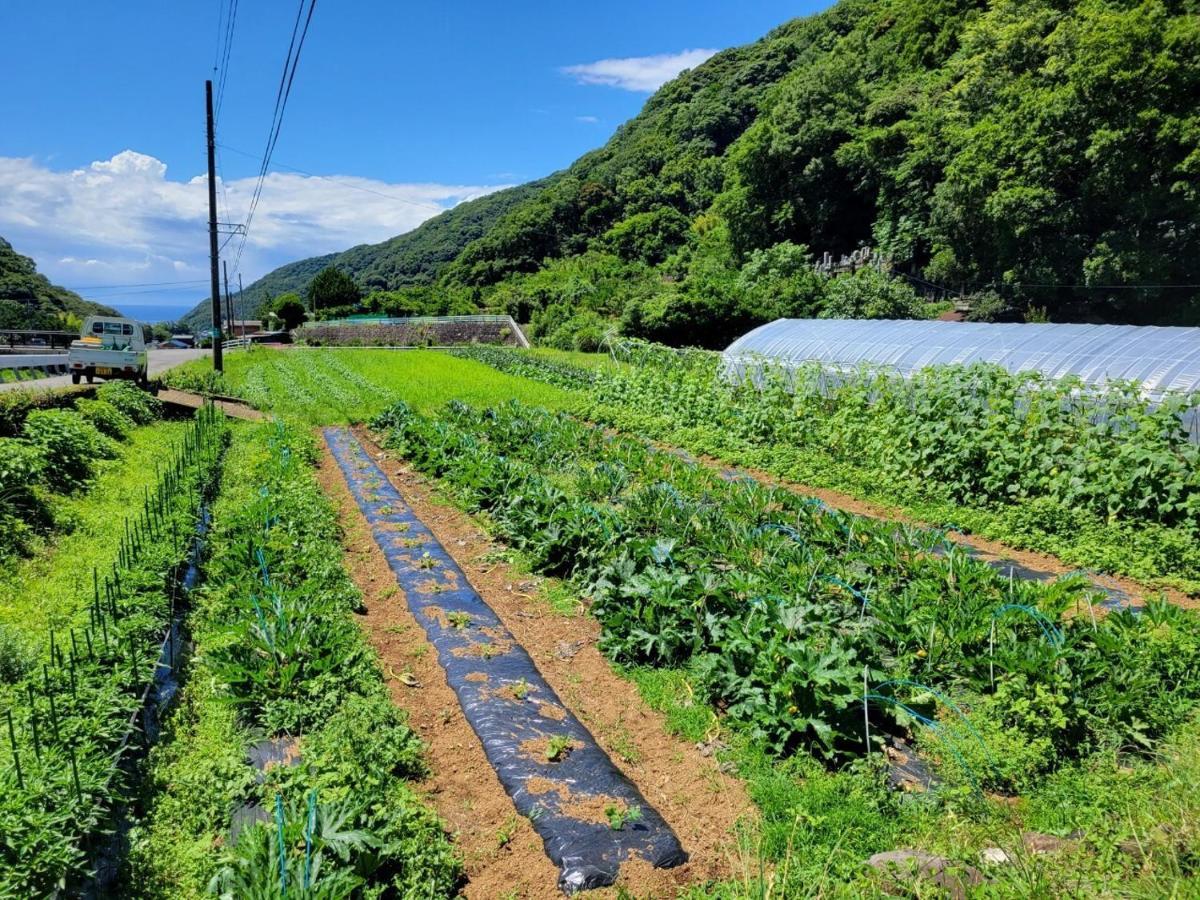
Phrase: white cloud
(123, 221)
(638, 73)
(587, 120)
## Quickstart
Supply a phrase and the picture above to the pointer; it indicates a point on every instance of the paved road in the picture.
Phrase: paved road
(159, 361)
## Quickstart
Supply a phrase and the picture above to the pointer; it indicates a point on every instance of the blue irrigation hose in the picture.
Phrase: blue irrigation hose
(1051, 631)
(936, 728)
(951, 704)
(833, 579)
(785, 529)
(262, 566)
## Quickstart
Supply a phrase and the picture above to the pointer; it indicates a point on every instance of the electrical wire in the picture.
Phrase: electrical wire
(288, 75)
(355, 187)
(226, 52)
(142, 284)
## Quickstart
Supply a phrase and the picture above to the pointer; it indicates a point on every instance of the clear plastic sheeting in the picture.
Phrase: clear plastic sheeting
(1163, 359)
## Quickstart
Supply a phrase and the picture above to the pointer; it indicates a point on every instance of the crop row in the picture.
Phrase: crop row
(797, 617)
(514, 362)
(1104, 478)
(277, 643)
(54, 451)
(71, 715)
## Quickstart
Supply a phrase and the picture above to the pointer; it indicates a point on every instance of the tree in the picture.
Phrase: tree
(780, 282)
(332, 287)
(289, 309)
(869, 294)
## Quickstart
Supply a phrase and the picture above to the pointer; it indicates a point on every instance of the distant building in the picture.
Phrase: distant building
(246, 327)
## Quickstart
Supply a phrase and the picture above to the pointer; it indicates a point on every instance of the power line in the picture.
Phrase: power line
(355, 187)
(226, 52)
(288, 75)
(220, 24)
(102, 287)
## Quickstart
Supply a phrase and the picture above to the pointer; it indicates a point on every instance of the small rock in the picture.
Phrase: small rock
(1042, 844)
(994, 856)
(1132, 847)
(709, 747)
(903, 868)
(567, 649)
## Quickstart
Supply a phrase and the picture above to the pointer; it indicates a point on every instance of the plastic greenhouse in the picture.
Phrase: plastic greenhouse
(1163, 359)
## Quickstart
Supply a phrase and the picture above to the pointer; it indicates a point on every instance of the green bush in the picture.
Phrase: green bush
(869, 294)
(107, 418)
(21, 509)
(141, 407)
(364, 745)
(17, 658)
(68, 445)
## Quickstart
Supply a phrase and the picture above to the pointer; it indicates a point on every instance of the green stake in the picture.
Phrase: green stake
(12, 739)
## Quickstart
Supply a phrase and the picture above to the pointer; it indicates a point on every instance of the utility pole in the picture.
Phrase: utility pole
(213, 252)
(228, 302)
(240, 303)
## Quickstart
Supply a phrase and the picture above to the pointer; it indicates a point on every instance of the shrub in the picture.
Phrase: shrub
(17, 658)
(107, 418)
(68, 444)
(869, 294)
(131, 400)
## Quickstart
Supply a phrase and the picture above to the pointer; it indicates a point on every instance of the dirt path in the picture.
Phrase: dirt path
(195, 401)
(504, 856)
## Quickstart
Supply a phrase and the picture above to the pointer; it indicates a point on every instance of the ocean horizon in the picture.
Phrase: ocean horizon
(153, 313)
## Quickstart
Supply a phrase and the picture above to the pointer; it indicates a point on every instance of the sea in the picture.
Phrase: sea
(153, 313)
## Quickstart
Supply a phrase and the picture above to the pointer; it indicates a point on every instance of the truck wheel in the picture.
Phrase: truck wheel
(74, 378)
(90, 378)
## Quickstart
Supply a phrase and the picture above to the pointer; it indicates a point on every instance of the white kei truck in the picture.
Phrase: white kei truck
(108, 347)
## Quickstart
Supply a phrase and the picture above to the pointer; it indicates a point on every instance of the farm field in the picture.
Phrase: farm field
(1060, 735)
(957, 449)
(322, 387)
(45, 589)
(85, 615)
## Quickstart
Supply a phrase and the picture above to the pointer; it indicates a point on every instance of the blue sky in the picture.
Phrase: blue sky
(424, 104)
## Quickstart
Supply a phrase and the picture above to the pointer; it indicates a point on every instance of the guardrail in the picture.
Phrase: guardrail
(47, 363)
(234, 343)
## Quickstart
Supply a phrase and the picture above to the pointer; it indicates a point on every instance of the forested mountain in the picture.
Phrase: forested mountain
(1038, 156)
(413, 258)
(29, 300)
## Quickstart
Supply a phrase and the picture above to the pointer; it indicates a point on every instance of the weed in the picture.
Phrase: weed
(558, 747)
(619, 817)
(504, 834)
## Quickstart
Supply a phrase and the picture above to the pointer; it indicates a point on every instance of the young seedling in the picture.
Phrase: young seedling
(506, 831)
(459, 620)
(520, 689)
(426, 561)
(618, 818)
(558, 747)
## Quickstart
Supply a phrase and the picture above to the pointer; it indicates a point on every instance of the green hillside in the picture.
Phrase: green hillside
(1039, 159)
(413, 258)
(29, 300)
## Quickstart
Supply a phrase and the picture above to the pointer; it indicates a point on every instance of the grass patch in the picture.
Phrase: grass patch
(52, 587)
(335, 386)
(574, 357)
